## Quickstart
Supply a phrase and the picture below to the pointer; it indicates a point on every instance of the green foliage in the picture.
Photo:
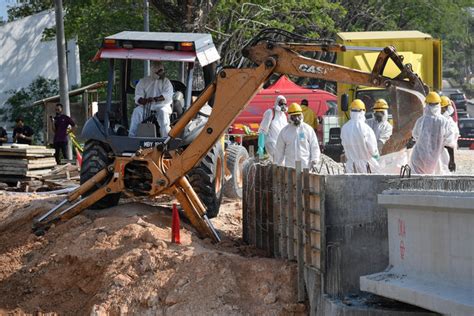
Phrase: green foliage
(27, 8)
(20, 103)
(234, 22)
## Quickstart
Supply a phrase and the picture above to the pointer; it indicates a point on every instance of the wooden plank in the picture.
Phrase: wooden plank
(291, 224)
(258, 207)
(276, 210)
(300, 233)
(264, 209)
(306, 209)
(245, 203)
(322, 222)
(283, 214)
(270, 211)
(253, 209)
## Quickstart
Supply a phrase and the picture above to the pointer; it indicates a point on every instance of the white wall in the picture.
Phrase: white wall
(24, 57)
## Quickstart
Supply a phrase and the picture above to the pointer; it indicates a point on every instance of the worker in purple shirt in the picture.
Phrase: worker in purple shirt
(60, 124)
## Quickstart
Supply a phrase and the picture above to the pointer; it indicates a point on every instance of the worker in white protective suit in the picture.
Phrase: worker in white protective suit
(272, 123)
(359, 142)
(432, 132)
(297, 141)
(153, 95)
(379, 124)
(447, 110)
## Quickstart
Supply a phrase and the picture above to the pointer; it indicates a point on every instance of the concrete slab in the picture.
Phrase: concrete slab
(442, 297)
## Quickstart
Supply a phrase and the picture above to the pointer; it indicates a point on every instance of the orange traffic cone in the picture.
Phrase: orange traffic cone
(78, 158)
(175, 226)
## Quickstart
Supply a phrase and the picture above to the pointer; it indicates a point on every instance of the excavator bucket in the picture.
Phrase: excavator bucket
(406, 109)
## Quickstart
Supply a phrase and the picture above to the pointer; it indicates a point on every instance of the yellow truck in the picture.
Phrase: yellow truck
(419, 49)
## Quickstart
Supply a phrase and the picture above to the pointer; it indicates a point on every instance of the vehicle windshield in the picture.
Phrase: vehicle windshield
(457, 96)
(370, 96)
(332, 108)
(466, 124)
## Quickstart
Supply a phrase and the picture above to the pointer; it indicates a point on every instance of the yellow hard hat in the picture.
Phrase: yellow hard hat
(357, 105)
(445, 101)
(432, 98)
(294, 108)
(380, 105)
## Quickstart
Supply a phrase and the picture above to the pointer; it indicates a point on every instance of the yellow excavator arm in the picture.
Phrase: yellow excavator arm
(232, 90)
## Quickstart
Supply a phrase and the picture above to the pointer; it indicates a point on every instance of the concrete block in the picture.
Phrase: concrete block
(431, 251)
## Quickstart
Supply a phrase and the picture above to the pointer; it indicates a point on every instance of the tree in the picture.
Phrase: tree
(185, 15)
(20, 103)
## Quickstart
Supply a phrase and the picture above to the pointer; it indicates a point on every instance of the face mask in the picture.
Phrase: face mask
(283, 107)
(296, 119)
(434, 109)
(157, 71)
(378, 116)
(449, 111)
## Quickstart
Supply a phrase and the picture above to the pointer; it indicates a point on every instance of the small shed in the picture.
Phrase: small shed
(81, 108)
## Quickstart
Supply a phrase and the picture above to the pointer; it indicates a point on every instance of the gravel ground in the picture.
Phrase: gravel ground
(464, 159)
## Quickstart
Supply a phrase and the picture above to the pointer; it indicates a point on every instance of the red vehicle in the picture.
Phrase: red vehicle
(245, 127)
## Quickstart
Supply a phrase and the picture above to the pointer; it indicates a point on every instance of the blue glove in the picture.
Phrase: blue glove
(261, 144)
(376, 157)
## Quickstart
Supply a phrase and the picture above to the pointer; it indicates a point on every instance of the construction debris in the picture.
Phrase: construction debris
(25, 161)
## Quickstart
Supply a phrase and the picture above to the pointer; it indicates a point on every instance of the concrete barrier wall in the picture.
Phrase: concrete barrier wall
(354, 242)
(431, 250)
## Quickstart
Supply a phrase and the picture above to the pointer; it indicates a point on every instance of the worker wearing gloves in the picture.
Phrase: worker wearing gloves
(153, 94)
(380, 124)
(297, 141)
(272, 123)
(359, 142)
(432, 132)
(447, 110)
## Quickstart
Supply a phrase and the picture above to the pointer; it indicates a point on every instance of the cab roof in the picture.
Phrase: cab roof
(159, 46)
(201, 40)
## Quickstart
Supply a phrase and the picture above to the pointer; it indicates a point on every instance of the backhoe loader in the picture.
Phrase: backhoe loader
(162, 164)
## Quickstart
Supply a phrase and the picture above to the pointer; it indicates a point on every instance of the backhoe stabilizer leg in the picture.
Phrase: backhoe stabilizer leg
(194, 209)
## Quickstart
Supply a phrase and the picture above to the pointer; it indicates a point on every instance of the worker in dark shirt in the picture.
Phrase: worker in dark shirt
(22, 134)
(3, 136)
(60, 124)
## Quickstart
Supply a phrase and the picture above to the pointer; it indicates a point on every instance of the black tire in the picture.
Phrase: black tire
(207, 179)
(95, 158)
(236, 156)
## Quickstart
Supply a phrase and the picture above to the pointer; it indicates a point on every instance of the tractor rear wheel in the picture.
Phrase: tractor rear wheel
(207, 179)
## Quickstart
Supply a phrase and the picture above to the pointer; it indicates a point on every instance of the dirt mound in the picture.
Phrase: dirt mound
(120, 260)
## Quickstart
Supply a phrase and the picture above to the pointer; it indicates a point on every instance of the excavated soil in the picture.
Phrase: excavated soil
(121, 261)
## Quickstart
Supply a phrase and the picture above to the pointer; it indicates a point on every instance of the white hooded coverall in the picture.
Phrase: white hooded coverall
(360, 145)
(432, 132)
(149, 87)
(382, 130)
(297, 143)
(272, 123)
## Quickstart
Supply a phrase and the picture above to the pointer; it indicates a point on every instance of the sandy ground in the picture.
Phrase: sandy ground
(121, 261)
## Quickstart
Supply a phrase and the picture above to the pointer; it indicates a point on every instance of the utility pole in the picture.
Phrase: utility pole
(62, 67)
(146, 28)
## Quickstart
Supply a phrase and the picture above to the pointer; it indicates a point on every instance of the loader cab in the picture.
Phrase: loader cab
(190, 63)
